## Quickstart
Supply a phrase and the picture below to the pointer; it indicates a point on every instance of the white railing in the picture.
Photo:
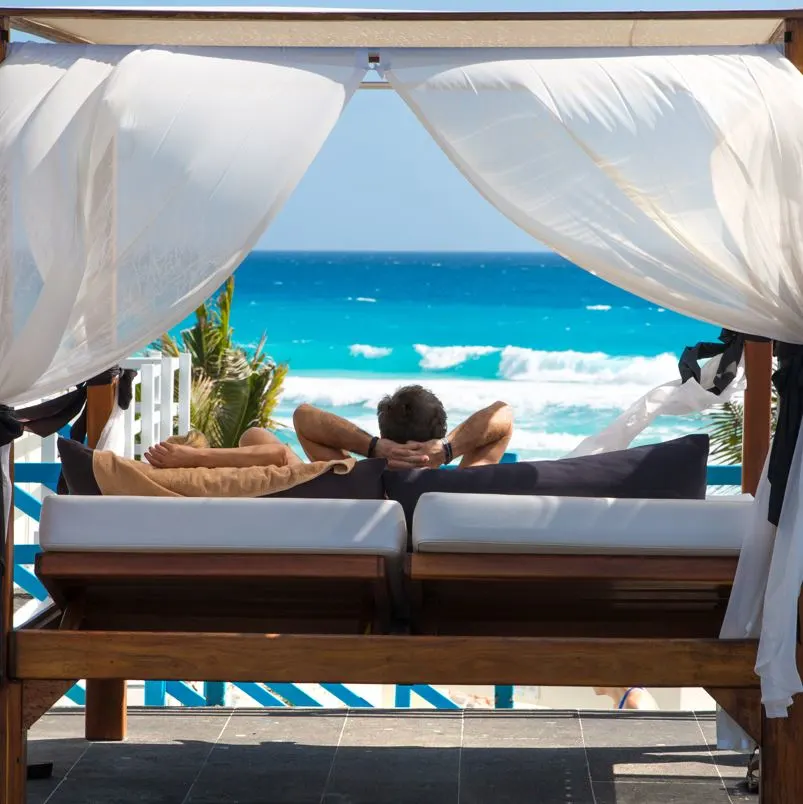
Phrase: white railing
(155, 417)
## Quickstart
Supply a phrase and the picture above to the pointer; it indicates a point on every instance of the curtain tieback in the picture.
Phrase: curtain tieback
(788, 382)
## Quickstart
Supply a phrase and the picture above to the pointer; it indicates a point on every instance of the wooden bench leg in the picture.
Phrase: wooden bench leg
(106, 710)
(13, 770)
(781, 752)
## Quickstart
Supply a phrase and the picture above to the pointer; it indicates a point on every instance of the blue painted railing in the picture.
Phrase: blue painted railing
(214, 694)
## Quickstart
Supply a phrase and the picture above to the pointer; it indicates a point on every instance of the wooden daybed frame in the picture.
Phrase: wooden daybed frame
(631, 637)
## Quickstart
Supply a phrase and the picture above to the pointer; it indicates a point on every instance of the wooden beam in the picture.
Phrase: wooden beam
(107, 719)
(743, 706)
(100, 401)
(757, 413)
(39, 697)
(13, 770)
(93, 567)
(782, 738)
(385, 659)
(452, 566)
(300, 15)
(106, 715)
(13, 767)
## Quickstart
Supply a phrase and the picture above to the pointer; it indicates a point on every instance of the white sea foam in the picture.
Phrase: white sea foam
(549, 392)
(599, 307)
(365, 299)
(444, 357)
(460, 396)
(518, 363)
(368, 351)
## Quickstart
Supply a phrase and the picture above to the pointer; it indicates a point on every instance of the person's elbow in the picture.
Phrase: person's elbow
(301, 416)
(503, 415)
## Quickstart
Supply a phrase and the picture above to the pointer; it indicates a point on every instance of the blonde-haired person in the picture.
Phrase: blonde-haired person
(629, 697)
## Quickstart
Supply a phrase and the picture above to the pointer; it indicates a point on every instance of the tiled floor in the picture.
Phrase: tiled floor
(250, 757)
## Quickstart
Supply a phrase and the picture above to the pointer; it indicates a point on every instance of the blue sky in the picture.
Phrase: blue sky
(380, 182)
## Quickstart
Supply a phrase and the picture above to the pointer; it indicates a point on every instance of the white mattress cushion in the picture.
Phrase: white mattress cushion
(485, 523)
(205, 525)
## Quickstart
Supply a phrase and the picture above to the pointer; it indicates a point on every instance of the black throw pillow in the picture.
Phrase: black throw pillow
(672, 470)
(76, 467)
(363, 482)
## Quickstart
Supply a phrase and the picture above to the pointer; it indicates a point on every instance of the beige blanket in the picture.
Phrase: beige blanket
(125, 477)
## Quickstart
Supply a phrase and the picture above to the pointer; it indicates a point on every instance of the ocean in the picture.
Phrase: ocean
(567, 350)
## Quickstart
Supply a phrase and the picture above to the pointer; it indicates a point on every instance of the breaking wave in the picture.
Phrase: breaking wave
(368, 351)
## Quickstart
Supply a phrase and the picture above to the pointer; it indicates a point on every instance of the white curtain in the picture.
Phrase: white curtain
(675, 175)
(133, 182)
(673, 398)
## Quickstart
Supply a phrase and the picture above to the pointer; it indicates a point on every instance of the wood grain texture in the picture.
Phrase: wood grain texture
(386, 659)
(782, 738)
(106, 712)
(256, 14)
(13, 767)
(781, 745)
(100, 401)
(38, 697)
(94, 566)
(106, 715)
(703, 569)
(757, 413)
(743, 705)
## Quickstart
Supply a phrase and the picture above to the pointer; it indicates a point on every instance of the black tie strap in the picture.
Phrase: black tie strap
(10, 426)
(788, 382)
(730, 346)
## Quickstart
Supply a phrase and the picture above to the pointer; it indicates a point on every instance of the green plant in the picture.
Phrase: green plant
(727, 422)
(232, 388)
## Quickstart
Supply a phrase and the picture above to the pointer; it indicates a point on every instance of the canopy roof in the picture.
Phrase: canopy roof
(326, 28)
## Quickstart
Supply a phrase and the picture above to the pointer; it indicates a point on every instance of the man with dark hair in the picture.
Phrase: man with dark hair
(412, 434)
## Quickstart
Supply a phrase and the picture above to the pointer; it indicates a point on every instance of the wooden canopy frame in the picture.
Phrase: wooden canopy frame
(42, 662)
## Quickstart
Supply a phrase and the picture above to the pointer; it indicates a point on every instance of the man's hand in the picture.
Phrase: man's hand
(429, 453)
(400, 456)
(172, 456)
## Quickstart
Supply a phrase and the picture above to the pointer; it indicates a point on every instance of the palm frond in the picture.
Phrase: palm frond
(726, 433)
(232, 389)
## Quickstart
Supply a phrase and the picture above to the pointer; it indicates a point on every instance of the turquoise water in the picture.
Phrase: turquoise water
(566, 349)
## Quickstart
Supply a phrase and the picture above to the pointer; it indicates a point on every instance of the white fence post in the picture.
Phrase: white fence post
(184, 392)
(167, 368)
(147, 407)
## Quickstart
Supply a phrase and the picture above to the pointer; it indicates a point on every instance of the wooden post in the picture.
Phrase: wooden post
(106, 715)
(13, 768)
(782, 738)
(757, 413)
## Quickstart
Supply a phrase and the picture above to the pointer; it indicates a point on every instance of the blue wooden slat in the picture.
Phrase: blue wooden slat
(429, 694)
(77, 694)
(402, 697)
(27, 503)
(724, 476)
(292, 694)
(260, 694)
(26, 553)
(503, 696)
(155, 693)
(37, 473)
(184, 694)
(432, 696)
(25, 579)
(344, 694)
(215, 693)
